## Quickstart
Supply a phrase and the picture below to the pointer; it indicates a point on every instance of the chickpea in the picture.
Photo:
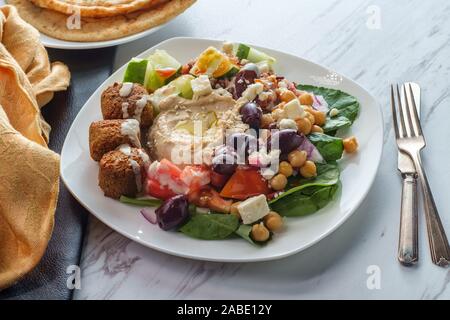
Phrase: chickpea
(308, 170)
(285, 169)
(260, 233)
(306, 99)
(266, 120)
(316, 128)
(287, 95)
(320, 117)
(310, 116)
(307, 108)
(297, 158)
(273, 221)
(279, 113)
(304, 125)
(278, 182)
(350, 144)
(234, 209)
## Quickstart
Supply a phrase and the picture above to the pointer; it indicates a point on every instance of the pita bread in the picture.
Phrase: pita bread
(55, 24)
(97, 8)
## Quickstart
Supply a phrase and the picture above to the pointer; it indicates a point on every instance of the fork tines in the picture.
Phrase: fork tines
(412, 127)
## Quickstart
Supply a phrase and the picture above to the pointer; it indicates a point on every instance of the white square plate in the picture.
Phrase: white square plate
(79, 172)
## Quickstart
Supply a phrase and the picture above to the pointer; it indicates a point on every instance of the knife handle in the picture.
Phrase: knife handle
(408, 249)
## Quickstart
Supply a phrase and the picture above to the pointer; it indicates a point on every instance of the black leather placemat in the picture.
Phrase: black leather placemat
(49, 279)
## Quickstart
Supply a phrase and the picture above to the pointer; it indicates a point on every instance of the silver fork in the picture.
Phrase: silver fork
(409, 137)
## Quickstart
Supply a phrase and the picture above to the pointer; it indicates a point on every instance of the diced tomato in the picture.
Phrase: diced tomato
(154, 189)
(245, 183)
(218, 180)
(195, 176)
(166, 72)
(167, 167)
(167, 175)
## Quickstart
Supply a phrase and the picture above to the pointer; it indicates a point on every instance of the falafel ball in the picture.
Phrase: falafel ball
(121, 172)
(127, 101)
(107, 135)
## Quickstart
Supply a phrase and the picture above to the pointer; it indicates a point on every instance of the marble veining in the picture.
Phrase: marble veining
(410, 43)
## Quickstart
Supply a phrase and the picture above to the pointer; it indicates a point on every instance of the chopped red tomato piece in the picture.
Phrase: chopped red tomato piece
(167, 167)
(166, 72)
(245, 183)
(195, 176)
(155, 189)
(167, 176)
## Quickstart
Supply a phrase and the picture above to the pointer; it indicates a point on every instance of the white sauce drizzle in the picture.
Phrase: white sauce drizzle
(125, 106)
(125, 149)
(143, 156)
(137, 174)
(140, 105)
(130, 128)
(126, 89)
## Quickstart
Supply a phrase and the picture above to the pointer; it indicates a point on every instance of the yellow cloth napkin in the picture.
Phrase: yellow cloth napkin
(29, 171)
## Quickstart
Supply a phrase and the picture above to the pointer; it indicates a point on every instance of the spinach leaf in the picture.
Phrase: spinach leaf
(327, 175)
(305, 196)
(213, 226)
(347, 105)
(244, 232)
(335, 123)
(299, 204)
(331, 148)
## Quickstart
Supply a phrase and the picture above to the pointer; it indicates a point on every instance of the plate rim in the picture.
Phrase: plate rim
(87, 45)
(280, 255)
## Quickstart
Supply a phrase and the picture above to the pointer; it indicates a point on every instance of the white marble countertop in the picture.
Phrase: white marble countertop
(409, 42)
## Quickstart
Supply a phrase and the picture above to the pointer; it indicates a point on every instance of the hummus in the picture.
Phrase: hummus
(187, 131)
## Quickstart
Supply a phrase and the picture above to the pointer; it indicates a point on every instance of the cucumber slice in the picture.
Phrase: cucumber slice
(183, 86)
(152, 81)
(162, 60)
(256, 56)
(164, 68)
(135, 71)
(230, 73)
(243, 51)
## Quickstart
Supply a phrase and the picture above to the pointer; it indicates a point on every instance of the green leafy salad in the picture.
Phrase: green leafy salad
(278, 156)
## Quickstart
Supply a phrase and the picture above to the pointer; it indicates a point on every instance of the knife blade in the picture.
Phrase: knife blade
(408, 248)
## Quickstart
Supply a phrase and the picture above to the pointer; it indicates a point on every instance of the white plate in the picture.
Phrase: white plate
(79, 172)
(51, 42)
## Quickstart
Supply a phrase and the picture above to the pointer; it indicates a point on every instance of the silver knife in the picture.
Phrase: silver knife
(408, 249)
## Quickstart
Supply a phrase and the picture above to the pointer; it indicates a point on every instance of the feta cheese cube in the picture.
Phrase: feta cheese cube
(294, 110)
(252, 91)
(279, 114)
(267, 173)
(201, 86)
(287, 124)
(253, 209)
(264, 67)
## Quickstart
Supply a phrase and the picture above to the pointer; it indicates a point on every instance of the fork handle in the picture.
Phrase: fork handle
(408, 250)
(439, 247)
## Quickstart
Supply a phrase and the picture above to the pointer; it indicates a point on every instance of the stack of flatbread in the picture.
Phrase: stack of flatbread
(97, 20)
